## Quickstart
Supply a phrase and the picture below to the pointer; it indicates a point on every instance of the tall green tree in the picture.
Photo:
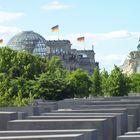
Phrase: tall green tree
(135, 82)
(118, 83)
(96, 83)
(78, 83)
(51, 85)
(16, 64)
(104, 82)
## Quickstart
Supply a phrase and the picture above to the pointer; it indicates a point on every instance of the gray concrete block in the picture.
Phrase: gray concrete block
(111, 121)
(119, 118)
(22, 115)
(99, 124)
(132, 124)
(138, 129)
(30, 110)
(129, 137)
(133, 133)
(132, 109)
(5, 117)
(124, 118)
(72, 103)
(37, 110)
(52, 105)
(89, 134)
(46, 137)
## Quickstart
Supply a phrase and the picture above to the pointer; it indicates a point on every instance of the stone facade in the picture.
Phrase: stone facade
(72, 58)
(132, 63)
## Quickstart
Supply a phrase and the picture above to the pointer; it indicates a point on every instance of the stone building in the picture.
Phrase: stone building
(132, 62)
(71, 58)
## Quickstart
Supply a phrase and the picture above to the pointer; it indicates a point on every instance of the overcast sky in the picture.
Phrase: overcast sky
(112, 26)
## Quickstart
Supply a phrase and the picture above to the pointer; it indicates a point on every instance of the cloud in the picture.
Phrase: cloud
(110, 60)
(120, 34)
(55, 5)
(96, 38)
(8, 16)
(6, 32)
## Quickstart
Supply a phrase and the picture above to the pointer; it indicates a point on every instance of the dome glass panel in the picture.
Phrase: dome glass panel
(29, 41)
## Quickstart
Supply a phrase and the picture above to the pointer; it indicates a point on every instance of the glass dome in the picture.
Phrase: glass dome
(29, 41)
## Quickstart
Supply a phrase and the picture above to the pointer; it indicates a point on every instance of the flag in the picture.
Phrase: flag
(55, 28)
(81, 39)
(1, 41)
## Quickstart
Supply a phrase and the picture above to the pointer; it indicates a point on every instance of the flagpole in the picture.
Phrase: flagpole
(58, 35)
(56, 29)
(84, 45)
(82, 40)
(92, 47)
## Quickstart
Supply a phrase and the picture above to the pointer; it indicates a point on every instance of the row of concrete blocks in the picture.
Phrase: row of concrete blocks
(76, 134)
(109, 123)
(135, 135)
(105, 123)
(133, 110)
(83, 134)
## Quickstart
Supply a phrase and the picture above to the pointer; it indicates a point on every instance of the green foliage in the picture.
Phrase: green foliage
(135, 82)
(17, 64)
(78, 83)
(104, 83)
(17, 70)
(53, 65)
(50, 86)
(118, 83)
(25, 77)
(96, 83)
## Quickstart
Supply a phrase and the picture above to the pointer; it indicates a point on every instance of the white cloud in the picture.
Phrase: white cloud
(96, 38)
(55, 37)
(120, 34)
(55, 5)
(8, 16)
(110, 60)
(6, 32)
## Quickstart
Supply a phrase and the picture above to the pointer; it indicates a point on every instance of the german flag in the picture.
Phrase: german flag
(1, 41)
(55, 28)
(81, 39)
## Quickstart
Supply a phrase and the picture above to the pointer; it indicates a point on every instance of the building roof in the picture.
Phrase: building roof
(27, 40)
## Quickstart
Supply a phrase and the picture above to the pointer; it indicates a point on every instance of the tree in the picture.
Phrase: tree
(104, 82)
(96, 83)
(49, 87)
(17, 75)
(78, 83)
(118, 83)
(16, 64)
(135, 82)
(53, 65)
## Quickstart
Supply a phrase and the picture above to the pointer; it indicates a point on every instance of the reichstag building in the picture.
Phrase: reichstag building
(71, 58)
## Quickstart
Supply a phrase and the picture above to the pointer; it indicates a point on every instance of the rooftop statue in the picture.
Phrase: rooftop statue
(138, 47)
(132, 63)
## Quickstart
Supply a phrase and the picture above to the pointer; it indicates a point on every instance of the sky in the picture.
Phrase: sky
(112, 26)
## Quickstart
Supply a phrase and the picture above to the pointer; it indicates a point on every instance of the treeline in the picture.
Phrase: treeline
(25, 77)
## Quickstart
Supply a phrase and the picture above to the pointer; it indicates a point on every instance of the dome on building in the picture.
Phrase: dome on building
(29, 41)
